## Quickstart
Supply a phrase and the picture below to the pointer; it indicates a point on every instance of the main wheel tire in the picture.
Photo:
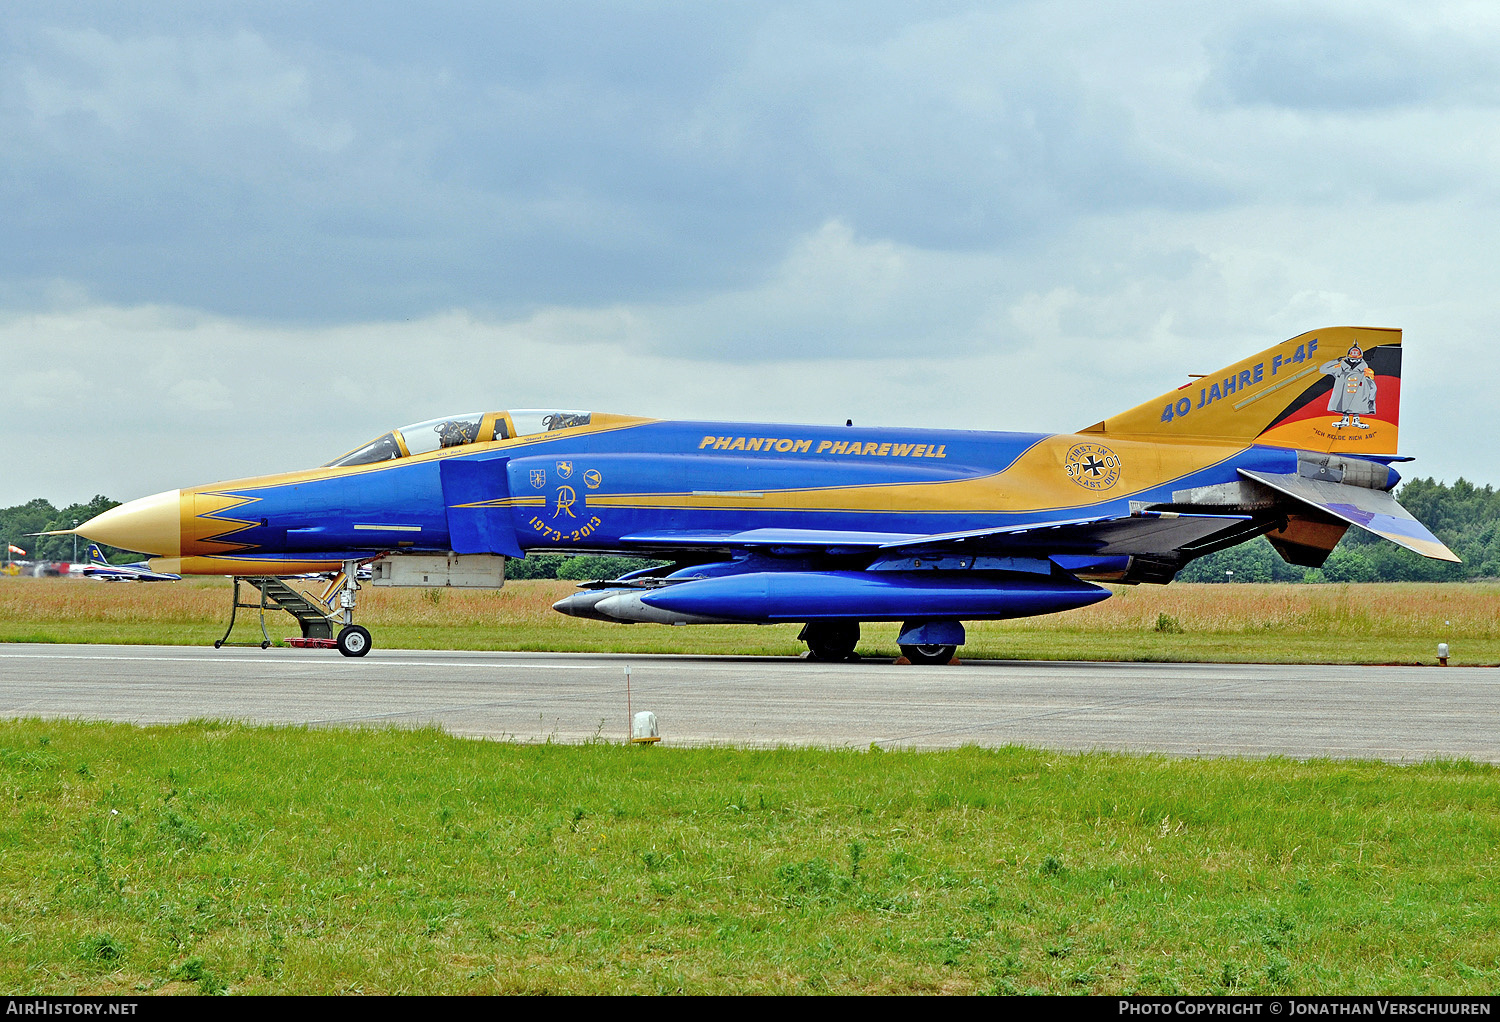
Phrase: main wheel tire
(929, 654)
(831, 641)
(354, 641)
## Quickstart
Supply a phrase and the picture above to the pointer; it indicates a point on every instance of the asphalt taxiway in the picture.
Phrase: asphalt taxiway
(1401, 714)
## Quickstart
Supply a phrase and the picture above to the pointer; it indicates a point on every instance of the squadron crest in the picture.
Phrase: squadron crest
(1092, 466)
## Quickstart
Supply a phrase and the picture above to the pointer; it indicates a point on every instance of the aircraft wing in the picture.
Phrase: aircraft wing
(814, 539)
(1143, 534)
(1372, 510)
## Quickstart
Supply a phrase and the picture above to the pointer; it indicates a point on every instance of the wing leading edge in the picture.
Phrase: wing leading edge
(1147, 533)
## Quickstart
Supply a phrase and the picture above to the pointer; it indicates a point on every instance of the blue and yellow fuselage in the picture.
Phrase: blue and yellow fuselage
(650, 487)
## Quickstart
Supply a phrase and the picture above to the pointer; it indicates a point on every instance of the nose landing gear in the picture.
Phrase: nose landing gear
(317, 614)
(353, 640)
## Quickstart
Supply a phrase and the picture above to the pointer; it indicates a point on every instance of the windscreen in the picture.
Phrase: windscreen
(383, 448)
(455, 431)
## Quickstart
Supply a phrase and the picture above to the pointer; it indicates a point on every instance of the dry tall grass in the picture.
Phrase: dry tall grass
(206, 601)
(1212, 622)
(1344, 609)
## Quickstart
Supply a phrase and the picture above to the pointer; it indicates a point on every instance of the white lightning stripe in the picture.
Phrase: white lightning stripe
(390, 528)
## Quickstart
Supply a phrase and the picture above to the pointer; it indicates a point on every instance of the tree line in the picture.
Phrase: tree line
(1462, 515)
(16, 524)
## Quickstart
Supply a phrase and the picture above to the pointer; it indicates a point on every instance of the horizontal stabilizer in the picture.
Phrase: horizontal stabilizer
(1374, 511)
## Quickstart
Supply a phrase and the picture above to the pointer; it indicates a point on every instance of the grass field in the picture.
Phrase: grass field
(214, 857)
(1376, 624)
(211, 858)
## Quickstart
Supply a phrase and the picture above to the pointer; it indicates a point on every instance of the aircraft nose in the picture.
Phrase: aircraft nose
(150, 525)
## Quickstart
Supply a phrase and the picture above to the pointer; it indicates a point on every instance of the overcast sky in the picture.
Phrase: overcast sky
(238, 239)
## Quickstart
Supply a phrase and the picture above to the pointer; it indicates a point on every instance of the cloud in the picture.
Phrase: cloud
(288, 169)
(1328, 58)
(192, 397)
(209, 88)
(1021, 216)
(153, 397)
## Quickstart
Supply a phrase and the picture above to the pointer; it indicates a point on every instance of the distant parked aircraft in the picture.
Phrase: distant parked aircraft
(140, 571)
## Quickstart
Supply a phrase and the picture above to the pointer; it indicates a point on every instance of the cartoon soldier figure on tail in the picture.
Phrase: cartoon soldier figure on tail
(1353, 388)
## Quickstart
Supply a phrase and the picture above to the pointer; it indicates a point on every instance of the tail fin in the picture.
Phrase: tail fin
(1332, 390)
(96, 556)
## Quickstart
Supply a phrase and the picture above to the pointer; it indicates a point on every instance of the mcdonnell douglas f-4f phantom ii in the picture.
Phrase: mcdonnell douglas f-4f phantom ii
(829, 527)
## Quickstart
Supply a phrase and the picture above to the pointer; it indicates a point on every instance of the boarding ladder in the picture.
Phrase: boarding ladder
(312, 613)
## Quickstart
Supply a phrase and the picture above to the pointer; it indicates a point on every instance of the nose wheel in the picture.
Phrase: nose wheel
(353, 640)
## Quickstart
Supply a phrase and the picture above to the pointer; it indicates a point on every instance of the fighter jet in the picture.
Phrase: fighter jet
(100, 568)
(832, 526)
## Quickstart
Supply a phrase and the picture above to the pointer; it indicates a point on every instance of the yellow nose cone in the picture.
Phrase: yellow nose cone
(151, 525)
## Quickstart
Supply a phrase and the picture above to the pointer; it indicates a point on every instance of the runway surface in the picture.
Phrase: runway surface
(1401, 714)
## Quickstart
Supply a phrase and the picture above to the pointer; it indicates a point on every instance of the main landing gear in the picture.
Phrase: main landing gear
(830, 641)
(930, 642)
(929, 653)
(921, 642)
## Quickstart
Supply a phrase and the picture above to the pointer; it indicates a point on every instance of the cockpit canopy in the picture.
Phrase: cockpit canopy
(457, 430)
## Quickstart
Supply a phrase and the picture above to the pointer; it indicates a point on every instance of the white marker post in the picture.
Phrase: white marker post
(640, 727)
(643, 729)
